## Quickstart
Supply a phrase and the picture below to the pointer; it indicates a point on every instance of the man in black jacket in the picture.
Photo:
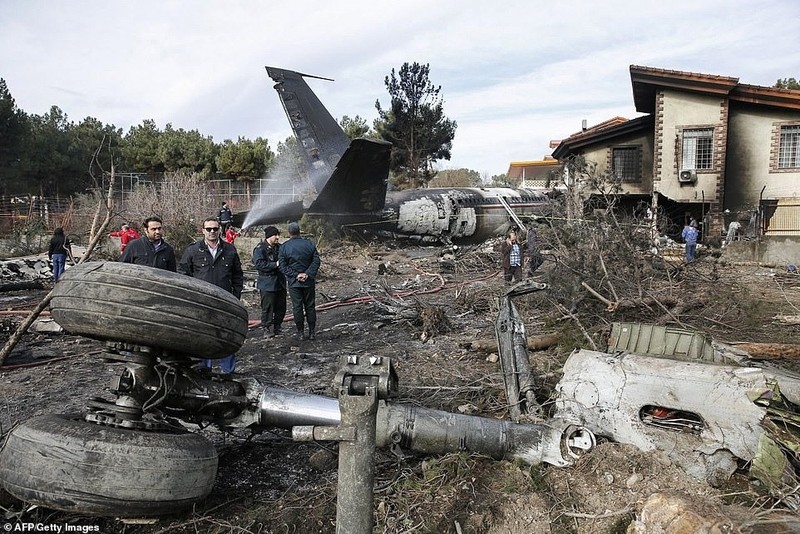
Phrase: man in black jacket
(299, 261)
(271, 282)
(217, 262)
(225, 216)
(150, 249)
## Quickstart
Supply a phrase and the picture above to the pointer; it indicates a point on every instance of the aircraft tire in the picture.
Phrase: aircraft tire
(65, 463)
(148, 306)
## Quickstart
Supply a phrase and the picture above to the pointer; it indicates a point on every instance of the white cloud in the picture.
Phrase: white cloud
(513, 74)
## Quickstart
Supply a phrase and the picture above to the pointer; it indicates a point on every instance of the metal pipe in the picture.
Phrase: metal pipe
(284, 408)
(354, 500)
(555, 441)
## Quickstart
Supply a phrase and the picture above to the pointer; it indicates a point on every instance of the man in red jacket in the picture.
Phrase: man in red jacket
(125, 234)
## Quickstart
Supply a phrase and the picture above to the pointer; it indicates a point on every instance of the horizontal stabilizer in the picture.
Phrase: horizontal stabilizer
(358, 183)
(278, 214)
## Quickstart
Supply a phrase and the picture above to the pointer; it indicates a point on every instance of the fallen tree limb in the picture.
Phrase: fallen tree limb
(533, 343)
(788, 319)
(19, 286)
(770, 351)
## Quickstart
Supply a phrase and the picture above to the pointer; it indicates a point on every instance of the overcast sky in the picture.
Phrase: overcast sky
(514, 74)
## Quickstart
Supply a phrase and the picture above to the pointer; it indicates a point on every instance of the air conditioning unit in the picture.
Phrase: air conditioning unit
(687, 176)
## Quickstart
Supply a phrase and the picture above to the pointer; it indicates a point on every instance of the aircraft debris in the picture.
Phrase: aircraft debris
(348, 185)
(702, 415)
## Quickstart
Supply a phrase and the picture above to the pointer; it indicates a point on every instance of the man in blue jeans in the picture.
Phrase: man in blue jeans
(299, 261)
(689, 235)
(217, 262)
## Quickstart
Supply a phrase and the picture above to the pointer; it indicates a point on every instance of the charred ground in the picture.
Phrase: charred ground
(424, 311)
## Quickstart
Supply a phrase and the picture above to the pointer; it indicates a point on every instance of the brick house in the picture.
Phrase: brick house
(707, 147)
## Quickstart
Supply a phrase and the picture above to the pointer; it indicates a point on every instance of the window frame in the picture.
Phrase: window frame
(636, 171)
(791, 153)
(697, 158)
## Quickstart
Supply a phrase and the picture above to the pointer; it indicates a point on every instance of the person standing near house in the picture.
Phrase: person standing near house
(217, 262)
(299, 261)
(733, 229)
(60, 246)
(225, 217)
(511, 258)
(151, 249)
(689, 235)
(271, 282)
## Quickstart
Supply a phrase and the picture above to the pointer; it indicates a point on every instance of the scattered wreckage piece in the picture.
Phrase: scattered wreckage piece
(24, 270)
(120, 457)
(146, 306)
(422, 430)
(788, 319)
(512, 344)
(67, 463)
(700, 414)
(21, 286)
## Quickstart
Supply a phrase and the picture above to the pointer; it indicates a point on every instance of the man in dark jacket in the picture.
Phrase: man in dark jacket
(217, 262)
(225, 216)
(299, 261)
(271, 282)
(150, 249)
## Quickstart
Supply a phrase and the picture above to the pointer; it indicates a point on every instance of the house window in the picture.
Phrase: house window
(789, 149)
(625, 164)
(698, 149)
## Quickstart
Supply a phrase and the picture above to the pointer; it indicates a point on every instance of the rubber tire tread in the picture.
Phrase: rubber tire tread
(149, 306)
(65, 463)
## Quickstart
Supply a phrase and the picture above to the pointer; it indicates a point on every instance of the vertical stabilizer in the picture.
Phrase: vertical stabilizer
(321, 140)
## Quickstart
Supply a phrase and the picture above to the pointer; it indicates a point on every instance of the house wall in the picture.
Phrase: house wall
(678, 111)
(751, 145)
(601, 155)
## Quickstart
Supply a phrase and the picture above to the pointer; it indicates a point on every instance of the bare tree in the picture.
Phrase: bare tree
(96, 232)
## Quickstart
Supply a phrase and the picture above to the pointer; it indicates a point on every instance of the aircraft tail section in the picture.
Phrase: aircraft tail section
(358, 183)
(321, 140)
(350, 177)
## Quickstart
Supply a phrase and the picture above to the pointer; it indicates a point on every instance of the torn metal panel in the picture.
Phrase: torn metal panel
(679, 344)
(699, 414)
(655, 340)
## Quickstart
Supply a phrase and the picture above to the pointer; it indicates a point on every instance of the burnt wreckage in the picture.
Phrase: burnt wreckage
(133, 455)
(348, 185)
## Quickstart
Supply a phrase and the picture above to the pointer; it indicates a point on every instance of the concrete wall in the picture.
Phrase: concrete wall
(683, 110)
(772, 250)
(750, 140)
(602, 154)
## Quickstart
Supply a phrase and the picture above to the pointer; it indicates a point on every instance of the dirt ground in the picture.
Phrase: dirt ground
(268, 483)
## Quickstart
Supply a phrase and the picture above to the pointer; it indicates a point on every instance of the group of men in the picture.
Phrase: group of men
(216, 261)
(292, 265)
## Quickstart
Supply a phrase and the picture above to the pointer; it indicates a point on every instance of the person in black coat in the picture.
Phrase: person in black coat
(217, 262)
(299, 261)
(271, 282)
(151, 249)
(57, 252)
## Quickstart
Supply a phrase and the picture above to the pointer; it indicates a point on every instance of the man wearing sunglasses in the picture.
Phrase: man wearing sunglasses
(217, 262)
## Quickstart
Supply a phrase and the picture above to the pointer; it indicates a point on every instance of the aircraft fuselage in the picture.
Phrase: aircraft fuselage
(458, 214)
